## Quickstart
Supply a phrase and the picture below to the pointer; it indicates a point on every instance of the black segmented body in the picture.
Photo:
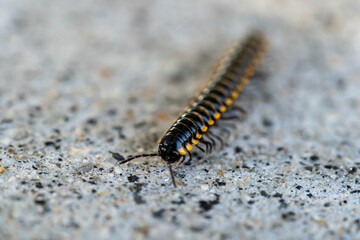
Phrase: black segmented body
(214, 100)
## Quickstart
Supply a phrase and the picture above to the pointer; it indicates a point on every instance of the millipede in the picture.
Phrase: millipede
(194, 126)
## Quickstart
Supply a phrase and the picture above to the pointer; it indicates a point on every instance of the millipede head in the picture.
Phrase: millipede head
(170, 149)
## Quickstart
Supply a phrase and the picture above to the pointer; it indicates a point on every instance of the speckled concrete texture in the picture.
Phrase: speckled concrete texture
(82, 78)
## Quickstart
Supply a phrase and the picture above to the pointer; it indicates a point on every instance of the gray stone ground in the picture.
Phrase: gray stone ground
(82, 78)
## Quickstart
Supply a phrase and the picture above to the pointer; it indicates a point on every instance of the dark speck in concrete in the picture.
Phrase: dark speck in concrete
(208, 205)
(136, 189)
(264, 194)
(283, 204)
(133, 178)
(40, 200)
(238, 149)
(91, 121)
(179, 202)
(49, 143)
(309, 168)
(117, 156)
(314, 158)
(140, 124)
(159, 213)
(119, 130)
(196, 229)
(352, 170)
(289, 216)
(220, 183)
(355, 191)
(267, 122)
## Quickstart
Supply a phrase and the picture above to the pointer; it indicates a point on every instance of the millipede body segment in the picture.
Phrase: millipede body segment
(210, 104)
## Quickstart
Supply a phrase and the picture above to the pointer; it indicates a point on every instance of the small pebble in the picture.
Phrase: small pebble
(204, 187)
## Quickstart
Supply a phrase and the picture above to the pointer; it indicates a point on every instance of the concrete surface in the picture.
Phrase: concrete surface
(82, 78)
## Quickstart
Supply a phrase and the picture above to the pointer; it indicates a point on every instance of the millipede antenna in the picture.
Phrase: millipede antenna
(139, 156)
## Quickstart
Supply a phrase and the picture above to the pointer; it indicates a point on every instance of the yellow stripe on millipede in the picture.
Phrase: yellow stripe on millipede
(250, 71)
(228, 101)
(189, 147)
(234, 94)
(223, 109)
(245, 80)
(217, 115)
(240, 87)
(204, 128)
(181, 151)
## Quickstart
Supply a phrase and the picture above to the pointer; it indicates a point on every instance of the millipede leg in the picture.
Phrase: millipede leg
(190, 156)
(224, 130)
(171, 174)
(181, 161)
(232, 117)
(218, 138)
(208, 145)
(230, 125)
(234, 109)
(240, 109)
(200, 148)
(227, 132)
(212, 141)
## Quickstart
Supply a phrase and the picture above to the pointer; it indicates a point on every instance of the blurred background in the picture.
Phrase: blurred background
(81, 78)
